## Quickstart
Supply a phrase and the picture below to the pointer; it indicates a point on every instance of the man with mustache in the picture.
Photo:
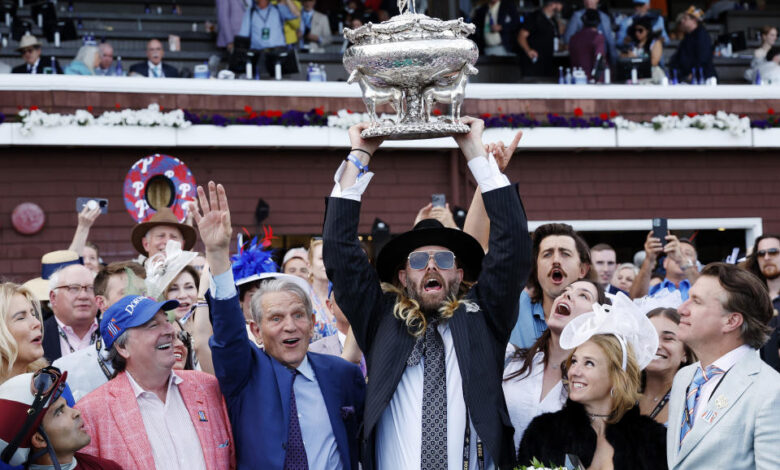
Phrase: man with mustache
(764, 262)
(433, 319)
(561, 257)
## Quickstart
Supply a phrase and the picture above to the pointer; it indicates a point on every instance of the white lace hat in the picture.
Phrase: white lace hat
(623, 319)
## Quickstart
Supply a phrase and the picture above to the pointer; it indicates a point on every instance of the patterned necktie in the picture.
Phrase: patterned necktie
(699, 379)
(156, 71)
(295, 457)
(434, 405)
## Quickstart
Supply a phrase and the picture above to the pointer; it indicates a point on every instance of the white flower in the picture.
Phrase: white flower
(344, 119)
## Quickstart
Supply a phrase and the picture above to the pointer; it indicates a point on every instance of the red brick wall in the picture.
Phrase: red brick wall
(555, 185)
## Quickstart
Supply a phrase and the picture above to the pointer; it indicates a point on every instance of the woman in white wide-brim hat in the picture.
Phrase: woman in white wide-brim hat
(600, 424)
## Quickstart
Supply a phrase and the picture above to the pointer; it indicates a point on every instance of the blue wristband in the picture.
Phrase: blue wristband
(356, 161)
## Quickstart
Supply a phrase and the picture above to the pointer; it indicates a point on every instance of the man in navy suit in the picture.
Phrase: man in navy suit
(154, 66)
(289, 408)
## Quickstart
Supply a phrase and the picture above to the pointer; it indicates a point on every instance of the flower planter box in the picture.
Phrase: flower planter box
(681, 138)
(555, 137)
(252, 136)
(766, 137)
(95, 136)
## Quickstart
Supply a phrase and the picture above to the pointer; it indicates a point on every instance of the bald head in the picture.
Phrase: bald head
(154, 51)
(106, 55)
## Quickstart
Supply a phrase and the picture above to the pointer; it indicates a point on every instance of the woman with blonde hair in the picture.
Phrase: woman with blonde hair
(21, 332)
(325, 322)
(87, 58)
(600, 424)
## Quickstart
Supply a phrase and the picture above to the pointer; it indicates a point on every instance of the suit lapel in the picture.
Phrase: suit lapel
(676, 404)
(284, 381)
(127, 415)
(195, 400)
(732, 386)
(330, 387)
(459, 327)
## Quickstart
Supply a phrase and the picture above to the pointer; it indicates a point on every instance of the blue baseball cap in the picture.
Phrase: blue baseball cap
(130, 311)
(640, 2)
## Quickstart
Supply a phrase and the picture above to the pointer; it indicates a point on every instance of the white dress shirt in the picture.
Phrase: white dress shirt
(524, 394)
(484, 169)
(399, 430)
(725, 362)
(169, 428)
(152, 68)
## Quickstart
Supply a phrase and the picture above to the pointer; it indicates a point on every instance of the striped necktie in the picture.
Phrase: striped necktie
(692, 398)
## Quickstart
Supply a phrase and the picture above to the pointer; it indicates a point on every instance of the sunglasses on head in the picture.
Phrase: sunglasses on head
(47, 387)
(770, 252)
(443, 259)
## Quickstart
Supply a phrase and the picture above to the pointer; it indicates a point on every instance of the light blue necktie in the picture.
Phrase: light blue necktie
(699, 379)
(156, 71)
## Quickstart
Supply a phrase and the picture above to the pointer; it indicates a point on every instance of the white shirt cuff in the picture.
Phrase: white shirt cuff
(355, 191)
(487, 174)
(222, 286)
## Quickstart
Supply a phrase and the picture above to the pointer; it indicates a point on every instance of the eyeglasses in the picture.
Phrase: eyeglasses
(443, 259)
(74, 289)
(770, 252)
(47, 388)
(28, 50)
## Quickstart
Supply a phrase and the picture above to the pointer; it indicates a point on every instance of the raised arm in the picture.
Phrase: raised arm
(477, 223)
(86, 218)
(506, 266)
(355, 282)
(642, 282)
(230, 347)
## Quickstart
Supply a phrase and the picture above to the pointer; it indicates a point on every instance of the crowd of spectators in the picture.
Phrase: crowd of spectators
(606, 45)
(535, 346)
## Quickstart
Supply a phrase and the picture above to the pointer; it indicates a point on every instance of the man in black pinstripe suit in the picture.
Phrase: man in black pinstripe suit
(434, 297)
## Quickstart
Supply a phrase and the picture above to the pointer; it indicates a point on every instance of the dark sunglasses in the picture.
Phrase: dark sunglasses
(443, 259)
(770, 252)
(47, 387)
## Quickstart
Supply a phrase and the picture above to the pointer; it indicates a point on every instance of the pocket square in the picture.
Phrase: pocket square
(347, 412)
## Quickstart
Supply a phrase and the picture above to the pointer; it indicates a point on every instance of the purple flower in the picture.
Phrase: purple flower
(2, 118)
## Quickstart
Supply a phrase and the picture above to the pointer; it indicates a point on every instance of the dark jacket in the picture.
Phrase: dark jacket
(51, 340)
(638, 441)
(509, 20)
(769, 352)
(479, 334)
(42, 63)
(693, 53)
(142, 69)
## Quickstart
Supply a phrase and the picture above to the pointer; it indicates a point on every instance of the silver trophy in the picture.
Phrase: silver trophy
(412, 61)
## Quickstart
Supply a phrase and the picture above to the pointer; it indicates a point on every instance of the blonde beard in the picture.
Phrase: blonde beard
(408, 310)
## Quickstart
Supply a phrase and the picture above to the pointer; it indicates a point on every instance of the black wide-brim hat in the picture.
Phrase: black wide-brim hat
(468, 251)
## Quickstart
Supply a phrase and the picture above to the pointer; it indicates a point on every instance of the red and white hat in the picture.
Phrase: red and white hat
(16, 400)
